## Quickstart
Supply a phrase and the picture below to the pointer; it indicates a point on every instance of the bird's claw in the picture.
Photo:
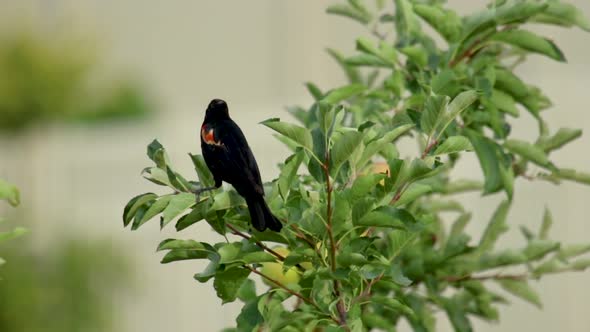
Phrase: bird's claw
(199, 191)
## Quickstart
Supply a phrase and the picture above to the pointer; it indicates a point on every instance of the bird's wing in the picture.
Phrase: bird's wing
(238, 163)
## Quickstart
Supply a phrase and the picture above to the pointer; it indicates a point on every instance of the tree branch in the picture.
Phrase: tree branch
(333, 246)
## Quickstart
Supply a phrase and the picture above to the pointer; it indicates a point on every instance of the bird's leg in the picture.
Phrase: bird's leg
(199, 191)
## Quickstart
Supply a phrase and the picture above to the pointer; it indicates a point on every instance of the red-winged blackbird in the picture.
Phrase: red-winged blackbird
(229, 158)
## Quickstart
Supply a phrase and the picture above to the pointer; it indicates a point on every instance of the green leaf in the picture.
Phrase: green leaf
(18, 231)
(393, 304)
(9, 192)
(177, 205)
(257, 257)
(433, 113)
(454, 144)
(202, 170)
(503, 258)
(299, 135)
(363, 185)
(344, 146)
(288, 173)
(156, 153)
(442, 80)
(158, 206)
(387, 216)
(398, 240)
(572, 250)
(347, 258)
(487, 152)
(537, 249)
(457, 315)
(462, 185)
(508, 82)
(350, 12)
(339, 94)
(406, 21)
(496, 227)
(171, 244)
(459, 225)
(227, 283)
(564, 14)
(528, 151)
(521, 288)
(504, 102)
(249, 318)
(367, 60)
(157, 176)
(377, 145)
(531, 42)
(184, 254)
(315, 92)
(352, 73)
(247, 291)
(384, 52)
(561, 138)
(446, 22)
(413, 192)
(418, 170)
(198, 213)
(186, 249)
(416, 53)
(134, 204)
(571, 174)
(365, 44)
(226, 200)
(457, 106)
(546, 225)
(580, 265)
(507, 13)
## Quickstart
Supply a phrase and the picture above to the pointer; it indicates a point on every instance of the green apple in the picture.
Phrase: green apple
(275, 271)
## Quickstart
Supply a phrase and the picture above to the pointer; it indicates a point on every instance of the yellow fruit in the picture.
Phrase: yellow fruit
(275, 271)
(381, 168)
(306, 265)
(281, 251)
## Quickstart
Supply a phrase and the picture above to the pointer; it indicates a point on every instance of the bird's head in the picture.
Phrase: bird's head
(217, 110)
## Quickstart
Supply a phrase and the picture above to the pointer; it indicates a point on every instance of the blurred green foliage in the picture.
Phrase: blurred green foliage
(70, 288)
(9, 193)
(52, 80)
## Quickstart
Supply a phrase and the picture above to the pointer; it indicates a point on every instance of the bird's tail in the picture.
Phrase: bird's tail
(261, 216)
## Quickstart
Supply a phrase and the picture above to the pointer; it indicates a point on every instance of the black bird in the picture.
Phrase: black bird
(229, 158)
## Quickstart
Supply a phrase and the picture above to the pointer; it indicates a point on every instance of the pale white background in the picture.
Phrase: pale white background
(256, 55)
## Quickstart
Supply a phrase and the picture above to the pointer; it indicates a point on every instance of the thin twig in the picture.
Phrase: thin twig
(367, 291)
(258, 243)
(429, 147)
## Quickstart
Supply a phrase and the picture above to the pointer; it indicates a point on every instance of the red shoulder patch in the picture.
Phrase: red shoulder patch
(208, 136)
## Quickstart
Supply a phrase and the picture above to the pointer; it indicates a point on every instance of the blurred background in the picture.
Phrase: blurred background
(86, 85)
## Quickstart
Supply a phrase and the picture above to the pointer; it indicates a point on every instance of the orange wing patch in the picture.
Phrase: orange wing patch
(209, 137)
